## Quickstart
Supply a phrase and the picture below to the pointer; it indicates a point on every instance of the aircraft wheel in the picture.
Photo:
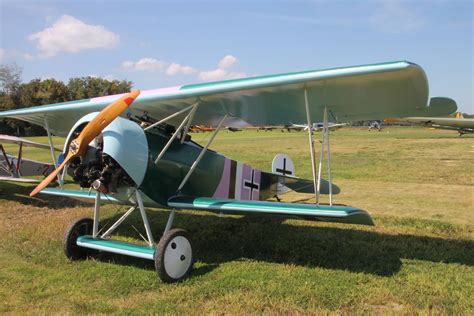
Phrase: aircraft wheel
(174, 256)
(78, 228)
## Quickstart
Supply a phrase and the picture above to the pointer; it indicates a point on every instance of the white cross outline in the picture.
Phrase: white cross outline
(249, 184)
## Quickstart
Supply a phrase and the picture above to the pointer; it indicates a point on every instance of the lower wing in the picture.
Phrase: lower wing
(326, 213)
(23, 180)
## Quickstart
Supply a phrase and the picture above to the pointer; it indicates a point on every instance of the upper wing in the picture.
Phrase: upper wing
(366, 92)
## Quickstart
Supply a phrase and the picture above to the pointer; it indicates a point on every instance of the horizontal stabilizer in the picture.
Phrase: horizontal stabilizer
(307, 186)
(326, 213)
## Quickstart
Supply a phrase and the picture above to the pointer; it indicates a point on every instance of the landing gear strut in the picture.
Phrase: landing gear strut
(173, 256)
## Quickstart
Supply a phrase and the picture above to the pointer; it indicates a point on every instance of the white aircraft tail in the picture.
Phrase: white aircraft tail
(283, 165)
(284, 168)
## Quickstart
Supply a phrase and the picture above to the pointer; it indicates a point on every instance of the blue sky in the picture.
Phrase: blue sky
(158, 44)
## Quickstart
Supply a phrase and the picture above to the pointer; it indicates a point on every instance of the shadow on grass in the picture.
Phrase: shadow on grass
(19, 192)
(217, 240)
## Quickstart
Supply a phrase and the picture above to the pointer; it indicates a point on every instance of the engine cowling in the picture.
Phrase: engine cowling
(118, 156)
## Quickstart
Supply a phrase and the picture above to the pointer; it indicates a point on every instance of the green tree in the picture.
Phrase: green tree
(91, 87)
(10, 81)
(40, 92)
(10, 78)
(14, 94)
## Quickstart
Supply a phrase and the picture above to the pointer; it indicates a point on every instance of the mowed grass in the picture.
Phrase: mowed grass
(419, 258)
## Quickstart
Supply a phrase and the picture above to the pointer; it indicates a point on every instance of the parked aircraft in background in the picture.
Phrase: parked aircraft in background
(458, 123)
(234, 129)
(265, 128)
(316, 126)
(375, 125)
(201, 129)
(18, 168)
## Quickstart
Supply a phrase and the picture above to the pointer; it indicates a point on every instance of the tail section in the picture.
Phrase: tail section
(282, 164)
(305, 186)
(284, 178)
(240, 181)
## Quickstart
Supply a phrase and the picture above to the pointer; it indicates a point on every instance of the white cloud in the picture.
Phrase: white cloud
(222, 72)
(150, 64)
(108, 77)
(28, 57)
(156, 65)
(175, 69)
(227, 62)
(145, 64)
(212, 75)
(127, 65)
(394, 17)
(15, 54)
(71, 35)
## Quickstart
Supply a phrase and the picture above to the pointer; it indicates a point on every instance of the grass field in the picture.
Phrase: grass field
(419, 258)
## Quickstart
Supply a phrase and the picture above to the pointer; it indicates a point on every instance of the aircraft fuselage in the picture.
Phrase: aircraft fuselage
(215, 175)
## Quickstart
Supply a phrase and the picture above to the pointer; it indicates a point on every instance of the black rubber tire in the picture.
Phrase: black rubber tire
(78, 228)
(160, 255)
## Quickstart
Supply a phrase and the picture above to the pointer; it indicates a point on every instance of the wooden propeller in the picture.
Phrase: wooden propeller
(78, 146)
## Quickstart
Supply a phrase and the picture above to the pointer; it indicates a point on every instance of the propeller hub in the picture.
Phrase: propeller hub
(74, 147)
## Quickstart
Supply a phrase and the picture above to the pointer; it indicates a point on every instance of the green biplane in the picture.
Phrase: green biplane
(136, 151)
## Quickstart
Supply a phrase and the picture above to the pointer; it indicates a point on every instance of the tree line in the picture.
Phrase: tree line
(15, 94)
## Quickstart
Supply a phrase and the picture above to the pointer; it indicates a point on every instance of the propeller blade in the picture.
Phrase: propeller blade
(79, 145)
(104, 118)
(52, 175)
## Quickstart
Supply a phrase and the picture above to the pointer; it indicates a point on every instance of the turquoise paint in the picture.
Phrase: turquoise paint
(336, 213)
(82, 195)
(285, 75)
(115, 244)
